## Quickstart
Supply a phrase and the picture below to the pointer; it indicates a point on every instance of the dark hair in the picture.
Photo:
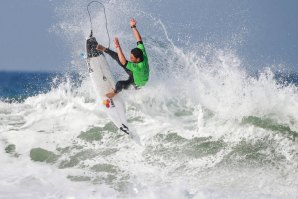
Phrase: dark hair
(137, 53)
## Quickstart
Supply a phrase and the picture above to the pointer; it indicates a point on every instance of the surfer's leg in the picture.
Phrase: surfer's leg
(120, 85)
(124, 84)
(114, 55)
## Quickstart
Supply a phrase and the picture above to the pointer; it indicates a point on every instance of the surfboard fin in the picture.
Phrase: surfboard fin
(125, 129)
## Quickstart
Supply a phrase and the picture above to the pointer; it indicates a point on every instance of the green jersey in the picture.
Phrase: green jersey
(140, 70)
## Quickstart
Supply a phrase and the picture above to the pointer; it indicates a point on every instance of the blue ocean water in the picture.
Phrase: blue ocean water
(17, 86)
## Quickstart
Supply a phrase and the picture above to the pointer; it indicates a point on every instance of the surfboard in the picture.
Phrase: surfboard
(103, 83)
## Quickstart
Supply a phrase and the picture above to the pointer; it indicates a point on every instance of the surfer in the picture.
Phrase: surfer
(137, 68)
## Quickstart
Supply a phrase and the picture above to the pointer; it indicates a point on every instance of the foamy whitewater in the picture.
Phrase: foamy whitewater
(208, 129)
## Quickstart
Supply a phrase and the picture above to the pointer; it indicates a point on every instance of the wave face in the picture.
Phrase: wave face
(207, 127)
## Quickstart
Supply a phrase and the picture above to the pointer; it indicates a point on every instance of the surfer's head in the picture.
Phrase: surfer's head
(136, 55)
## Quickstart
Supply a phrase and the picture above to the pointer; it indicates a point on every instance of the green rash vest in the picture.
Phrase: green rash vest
(140, 70)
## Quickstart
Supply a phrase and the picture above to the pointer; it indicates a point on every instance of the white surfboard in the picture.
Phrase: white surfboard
(103, 83)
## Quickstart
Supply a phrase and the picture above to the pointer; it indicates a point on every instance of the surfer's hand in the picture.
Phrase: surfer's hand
(116, 42)
(133, 22)
(100, 48)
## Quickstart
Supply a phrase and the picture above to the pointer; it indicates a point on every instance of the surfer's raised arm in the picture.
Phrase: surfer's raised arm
(135, 30)
(137, 67)
(121, 56)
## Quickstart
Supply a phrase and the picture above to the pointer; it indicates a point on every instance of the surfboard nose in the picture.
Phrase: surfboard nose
(91, 45)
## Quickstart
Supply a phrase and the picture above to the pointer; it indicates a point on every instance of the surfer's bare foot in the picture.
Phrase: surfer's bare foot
(100, 48)
(111, 94)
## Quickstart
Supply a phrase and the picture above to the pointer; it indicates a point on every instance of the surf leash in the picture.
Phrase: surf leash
(104, 10)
